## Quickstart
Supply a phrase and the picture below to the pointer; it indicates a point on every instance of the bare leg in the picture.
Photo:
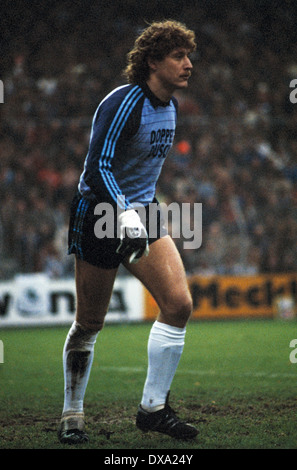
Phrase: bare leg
(163, 274)
(93, 292)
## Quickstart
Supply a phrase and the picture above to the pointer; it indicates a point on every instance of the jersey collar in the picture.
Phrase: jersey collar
(153, 98)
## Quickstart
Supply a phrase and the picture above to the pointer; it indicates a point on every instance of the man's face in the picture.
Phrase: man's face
(174, 70)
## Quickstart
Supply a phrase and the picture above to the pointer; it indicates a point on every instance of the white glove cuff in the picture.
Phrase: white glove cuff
(130, 218)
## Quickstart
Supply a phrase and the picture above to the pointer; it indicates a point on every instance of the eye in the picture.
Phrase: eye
(179, 56)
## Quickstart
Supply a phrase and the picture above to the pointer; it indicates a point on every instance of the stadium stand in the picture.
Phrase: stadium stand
(236, 144)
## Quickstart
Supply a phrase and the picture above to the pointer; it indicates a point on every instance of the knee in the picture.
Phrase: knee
(90, 323)
(90, 317)
(80, 339)
(177, 310)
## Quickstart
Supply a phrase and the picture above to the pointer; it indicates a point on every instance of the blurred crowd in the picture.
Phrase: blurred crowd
(236, 143)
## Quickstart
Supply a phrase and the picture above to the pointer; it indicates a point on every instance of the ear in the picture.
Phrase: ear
(152, 64)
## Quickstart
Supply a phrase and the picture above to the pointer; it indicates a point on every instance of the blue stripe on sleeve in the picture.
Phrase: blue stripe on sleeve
(111, 139)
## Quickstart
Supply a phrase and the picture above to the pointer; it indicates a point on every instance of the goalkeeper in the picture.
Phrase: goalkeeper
(132, 131)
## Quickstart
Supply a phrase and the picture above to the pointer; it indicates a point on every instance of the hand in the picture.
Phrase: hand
(133, 236)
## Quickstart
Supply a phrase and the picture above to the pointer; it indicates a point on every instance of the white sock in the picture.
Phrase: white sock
(165, 347)
(78, 356)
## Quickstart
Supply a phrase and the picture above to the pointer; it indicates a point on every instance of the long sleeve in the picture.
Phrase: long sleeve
(114, 123)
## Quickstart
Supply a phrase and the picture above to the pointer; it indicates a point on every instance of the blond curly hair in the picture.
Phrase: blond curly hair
(156, 42)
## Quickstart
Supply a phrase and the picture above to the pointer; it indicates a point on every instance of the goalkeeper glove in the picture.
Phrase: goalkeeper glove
(133, 236)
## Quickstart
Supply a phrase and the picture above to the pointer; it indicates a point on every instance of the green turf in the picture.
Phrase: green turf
(235, 382)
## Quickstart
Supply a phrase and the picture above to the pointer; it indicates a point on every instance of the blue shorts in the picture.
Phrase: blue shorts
(101, 252)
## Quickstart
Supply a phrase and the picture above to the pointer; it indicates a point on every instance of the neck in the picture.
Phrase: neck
(159, 90)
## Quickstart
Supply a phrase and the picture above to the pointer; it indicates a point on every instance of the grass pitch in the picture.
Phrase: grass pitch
(235, 382)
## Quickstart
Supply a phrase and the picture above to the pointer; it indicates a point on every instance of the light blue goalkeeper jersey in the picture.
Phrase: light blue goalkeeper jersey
(132, 132)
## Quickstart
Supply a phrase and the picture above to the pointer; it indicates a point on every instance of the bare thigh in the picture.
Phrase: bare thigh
(162, 273)
(93, 292)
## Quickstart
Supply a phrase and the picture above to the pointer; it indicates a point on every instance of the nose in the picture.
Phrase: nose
(188, 64)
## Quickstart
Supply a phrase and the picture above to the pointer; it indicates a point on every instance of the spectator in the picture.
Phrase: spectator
(236, 144)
